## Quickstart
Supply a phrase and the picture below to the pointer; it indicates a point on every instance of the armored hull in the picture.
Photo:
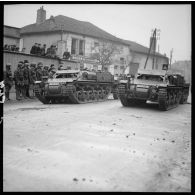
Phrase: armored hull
(71, 86)
(167, 90)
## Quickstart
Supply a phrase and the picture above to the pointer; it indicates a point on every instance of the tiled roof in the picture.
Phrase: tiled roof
(68, 25)
(10, 31)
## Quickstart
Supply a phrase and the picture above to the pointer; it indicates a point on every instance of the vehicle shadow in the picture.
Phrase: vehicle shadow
(149, 105)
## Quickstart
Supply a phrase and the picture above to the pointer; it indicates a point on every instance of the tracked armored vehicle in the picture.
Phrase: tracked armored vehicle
(116, 85)
(161, 86)
(74, 86)
(168, 90)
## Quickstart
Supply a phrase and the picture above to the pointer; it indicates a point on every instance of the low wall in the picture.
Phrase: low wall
(14, 58)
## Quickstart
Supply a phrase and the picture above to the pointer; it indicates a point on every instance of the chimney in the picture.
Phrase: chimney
(153, 42)
(41, 15)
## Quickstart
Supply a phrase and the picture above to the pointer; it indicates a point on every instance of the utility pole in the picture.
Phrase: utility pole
(171, 55)
(154, 32)
(158, 38)
(155, 36)
(61, 32)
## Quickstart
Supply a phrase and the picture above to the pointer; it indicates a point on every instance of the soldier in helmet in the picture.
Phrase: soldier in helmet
(26, 61)
(45, 73)
(51, 67)
(18, 78)
(51, 73)
(24, 83)
(32, 76)
(39, 71)
(8, 80)
(60, 67)
(26, 79)
(46, 70)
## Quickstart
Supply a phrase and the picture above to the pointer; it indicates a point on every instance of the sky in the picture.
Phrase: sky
(132, 22)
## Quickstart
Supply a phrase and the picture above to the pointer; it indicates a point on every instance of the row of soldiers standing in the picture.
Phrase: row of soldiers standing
(24, 77)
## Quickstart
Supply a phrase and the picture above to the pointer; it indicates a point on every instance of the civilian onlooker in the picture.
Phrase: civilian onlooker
(5, 47)
(66, 54)
(43, 52)
(17, 49)
(34, 49)
(13, 47)
(53, 51)
(48, 53)
(39, 49)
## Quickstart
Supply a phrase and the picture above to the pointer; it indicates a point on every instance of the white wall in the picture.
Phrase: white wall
(53, 38)
(11, 41)
(48, 39)
(141, 59)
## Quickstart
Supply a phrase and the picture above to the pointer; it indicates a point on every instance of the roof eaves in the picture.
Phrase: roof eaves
(11, 27)
(12, 36)
(159, 55)
(59, 30)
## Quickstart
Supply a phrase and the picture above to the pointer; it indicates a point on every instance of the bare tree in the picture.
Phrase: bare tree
(104, 53)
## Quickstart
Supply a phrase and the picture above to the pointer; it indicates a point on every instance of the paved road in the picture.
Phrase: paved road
(96, 147)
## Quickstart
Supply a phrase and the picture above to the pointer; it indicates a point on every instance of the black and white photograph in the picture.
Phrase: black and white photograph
(96, 96)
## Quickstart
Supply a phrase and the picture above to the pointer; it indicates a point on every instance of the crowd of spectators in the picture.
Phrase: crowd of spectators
(11, 48)
(40, 50)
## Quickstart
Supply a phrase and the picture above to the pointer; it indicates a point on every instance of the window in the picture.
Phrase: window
(96, 44)
(122, 67)
(81, 47)
(77, 46)
(115, 67)
(73, 46)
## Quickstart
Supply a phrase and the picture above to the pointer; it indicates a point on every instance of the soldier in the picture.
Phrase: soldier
(26, 79)
(60, 67)
(18, 78)
(45, 73)
(33, 49)
(46, 70)
(51, 73)
(39, 71)
(51, 67)
(8, 80)
(32, 77)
